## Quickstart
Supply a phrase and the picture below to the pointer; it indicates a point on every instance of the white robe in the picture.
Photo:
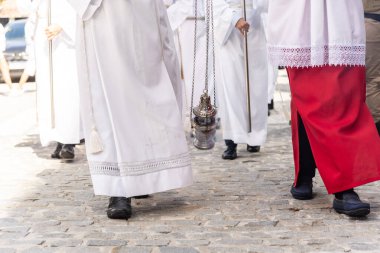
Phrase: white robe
(231, 85)
(130, 80)
(181, 17)
(307, 33)
(67, 128)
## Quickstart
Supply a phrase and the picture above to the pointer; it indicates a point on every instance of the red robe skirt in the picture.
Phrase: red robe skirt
(344, 141)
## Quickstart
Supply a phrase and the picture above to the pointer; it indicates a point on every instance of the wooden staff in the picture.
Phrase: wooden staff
(246, 63)
(51, 75)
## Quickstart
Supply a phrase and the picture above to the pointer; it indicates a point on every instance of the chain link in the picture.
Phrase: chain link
(209, 23)
(195, 4)
(207, 41)
(213, 51)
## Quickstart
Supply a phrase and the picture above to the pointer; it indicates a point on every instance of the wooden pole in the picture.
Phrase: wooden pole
(246, 63)
(51, 75)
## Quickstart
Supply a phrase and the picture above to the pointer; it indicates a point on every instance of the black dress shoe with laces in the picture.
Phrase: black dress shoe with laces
(56, 152)
(119, 208)
(253, 149)
(67, 152)
(349, 203)
(303, 190)
(229, 154)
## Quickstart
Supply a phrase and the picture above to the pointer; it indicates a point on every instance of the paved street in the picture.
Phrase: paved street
(234, 206)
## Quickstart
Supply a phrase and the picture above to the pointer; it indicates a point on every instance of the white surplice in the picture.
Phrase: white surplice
(231, 87)
(67, 128)
(307, 33)
(130, 80)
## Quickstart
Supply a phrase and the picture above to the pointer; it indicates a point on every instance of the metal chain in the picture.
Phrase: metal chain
(209, 20)
(195, 3)
(213, 51)
(207, 41)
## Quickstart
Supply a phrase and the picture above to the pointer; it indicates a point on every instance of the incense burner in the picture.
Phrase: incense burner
(204, 123)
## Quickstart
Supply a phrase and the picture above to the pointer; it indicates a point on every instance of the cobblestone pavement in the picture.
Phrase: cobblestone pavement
(234, 206)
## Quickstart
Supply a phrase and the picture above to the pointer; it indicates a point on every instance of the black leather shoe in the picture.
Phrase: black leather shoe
(349, 203)
(229, 154)
(119, 208)
(56, 152)
(253, 149)
(67, 152)
(303, 191)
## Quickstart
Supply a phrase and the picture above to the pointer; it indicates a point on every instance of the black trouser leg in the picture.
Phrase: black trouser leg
(307, 162)
(230, 143)
(378, 127)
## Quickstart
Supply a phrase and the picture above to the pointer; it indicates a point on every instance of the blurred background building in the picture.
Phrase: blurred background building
(13, 19)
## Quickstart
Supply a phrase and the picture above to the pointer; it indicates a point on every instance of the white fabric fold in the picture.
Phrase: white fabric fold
(306, 33)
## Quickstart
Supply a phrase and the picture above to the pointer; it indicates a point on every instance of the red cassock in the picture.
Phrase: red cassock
(330, 100)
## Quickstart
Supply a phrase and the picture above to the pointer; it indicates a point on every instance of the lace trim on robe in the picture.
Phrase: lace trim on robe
(139, 168)
(317, 55)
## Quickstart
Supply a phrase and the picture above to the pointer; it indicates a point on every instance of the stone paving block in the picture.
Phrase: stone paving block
(11, 235)
(151, 242)
(132, 250)
(64, 243)
(7, 250)
(38, 250)
(177, 250)
(21, 242)
(106, 243)
(374, 247)
(190, 242)
(83, 249)
(17, 229)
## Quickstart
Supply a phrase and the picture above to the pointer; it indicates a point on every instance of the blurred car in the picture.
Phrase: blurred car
(15, 51)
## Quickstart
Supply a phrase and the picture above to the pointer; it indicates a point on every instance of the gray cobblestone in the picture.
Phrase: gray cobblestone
(234, 206)
(177, 250)
(156, 242)
(64, 243)
(7, 250)
(132, 250)
(106, 243)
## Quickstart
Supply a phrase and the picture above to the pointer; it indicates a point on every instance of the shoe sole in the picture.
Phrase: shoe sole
(67, 155)
(119, 215)
(229, 158)
(301, 197)
(361, 212)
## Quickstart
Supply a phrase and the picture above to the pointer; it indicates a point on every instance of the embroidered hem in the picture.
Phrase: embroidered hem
(139, 168)
(351, 55)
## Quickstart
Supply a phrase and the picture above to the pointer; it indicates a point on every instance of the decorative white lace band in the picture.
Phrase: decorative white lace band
(139, 168)
(317, 55)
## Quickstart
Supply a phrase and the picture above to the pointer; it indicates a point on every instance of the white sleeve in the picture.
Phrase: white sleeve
(179, 12)
(225, 20)
(66, 17)
(85, 8)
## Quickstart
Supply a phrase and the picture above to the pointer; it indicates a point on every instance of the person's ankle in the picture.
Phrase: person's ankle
(339, 195)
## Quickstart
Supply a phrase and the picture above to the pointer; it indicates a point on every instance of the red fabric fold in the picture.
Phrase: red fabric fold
(331, 103)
